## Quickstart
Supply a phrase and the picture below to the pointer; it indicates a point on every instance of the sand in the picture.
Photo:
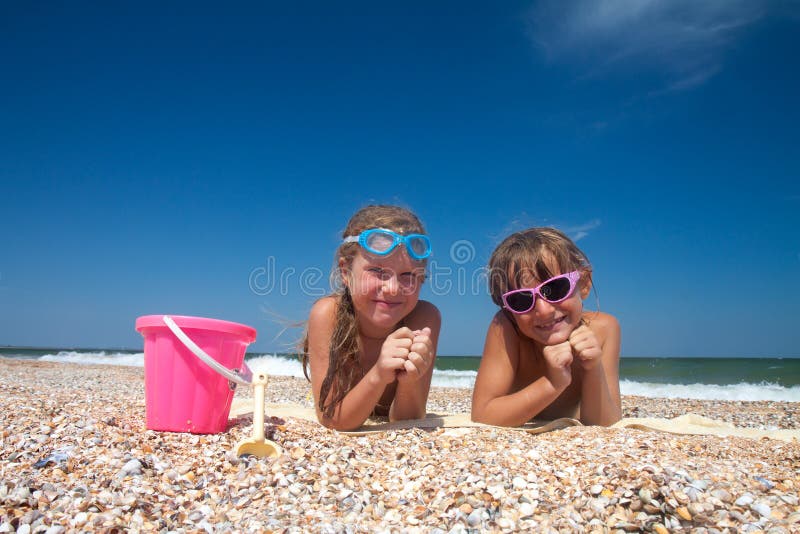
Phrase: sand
(75, 456)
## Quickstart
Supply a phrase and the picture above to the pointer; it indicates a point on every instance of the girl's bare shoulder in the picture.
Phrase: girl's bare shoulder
(602, 324)
(322, 312)
(503, 328)
(502, 322)
(424, 314)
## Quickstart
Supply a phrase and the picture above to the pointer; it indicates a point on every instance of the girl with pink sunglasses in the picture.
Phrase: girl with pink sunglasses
(544, 356)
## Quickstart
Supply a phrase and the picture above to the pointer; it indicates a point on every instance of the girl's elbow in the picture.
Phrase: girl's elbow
(337, 424)
(615, 418)
(609, 421)
(480, 415)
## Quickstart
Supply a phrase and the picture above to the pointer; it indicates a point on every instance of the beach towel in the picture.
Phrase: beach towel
(685, 424)
(374, 425)
(691, 423)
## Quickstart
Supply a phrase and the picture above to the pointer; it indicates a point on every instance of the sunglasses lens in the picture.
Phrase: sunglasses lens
(419, 245)
(555, 289)
(379, 242)
(520, 302)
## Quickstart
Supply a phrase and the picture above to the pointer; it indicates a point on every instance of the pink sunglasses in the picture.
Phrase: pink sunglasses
(554, 290)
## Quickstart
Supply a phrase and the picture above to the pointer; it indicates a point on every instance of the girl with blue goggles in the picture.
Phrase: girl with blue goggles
(370, 346)
(381, 242)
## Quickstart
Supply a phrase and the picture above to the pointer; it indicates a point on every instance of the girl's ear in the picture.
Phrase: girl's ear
(585, 284)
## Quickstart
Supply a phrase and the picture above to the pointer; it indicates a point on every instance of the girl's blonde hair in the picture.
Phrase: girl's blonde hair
(344, 369)
(527, 254)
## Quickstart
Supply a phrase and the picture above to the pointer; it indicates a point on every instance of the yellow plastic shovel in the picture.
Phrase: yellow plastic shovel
(257, 445)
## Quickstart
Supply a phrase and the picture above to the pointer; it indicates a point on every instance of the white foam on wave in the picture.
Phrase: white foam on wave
(96, 358)
(283, 366)
(454, 379)
(743, 391)
(280, 366)
(276, 365)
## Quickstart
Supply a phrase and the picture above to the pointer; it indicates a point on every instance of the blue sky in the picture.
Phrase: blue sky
(183, 158)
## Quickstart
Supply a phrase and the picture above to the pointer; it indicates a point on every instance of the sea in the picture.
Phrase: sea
(769, 379)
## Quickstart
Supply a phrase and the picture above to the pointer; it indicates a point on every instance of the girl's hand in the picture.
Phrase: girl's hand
(394, 354)
(419, 356)
(558, 360)
(586, 347)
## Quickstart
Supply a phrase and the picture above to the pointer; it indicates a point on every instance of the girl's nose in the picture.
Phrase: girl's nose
(542, 307)
(391, 284)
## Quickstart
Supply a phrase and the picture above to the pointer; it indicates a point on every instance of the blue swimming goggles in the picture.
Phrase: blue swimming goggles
(380, 241)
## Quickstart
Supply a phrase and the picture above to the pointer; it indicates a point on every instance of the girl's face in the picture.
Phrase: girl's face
(384, 289)
(551, 323)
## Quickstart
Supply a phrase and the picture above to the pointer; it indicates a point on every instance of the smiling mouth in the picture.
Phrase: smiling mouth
(551, 324)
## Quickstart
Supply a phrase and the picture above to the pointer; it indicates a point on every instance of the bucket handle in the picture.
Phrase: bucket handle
(242, 376)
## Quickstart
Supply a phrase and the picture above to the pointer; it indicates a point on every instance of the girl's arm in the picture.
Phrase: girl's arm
(491, 401)
(359, 401)
(600, 398)
(411, 397)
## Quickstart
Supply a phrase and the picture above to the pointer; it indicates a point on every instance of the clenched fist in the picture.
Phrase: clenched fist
(558, 364)
(420, 356)
(586, 347)
(394, 354)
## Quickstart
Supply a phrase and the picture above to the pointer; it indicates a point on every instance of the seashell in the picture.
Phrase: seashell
(132, 467)
(651, 508)
(527, 509)
(699, 484)
(505, 523)
(474, 519)
(766, 484)
(55, 458)
(683, 513)
(497, 491)
(762, 509)
(695, 509)
(722, 495)
(392, 516)
(744, 500)
(738, 516)
(636, 504)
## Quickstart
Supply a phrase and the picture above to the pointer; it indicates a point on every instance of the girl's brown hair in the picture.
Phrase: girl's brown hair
(527, 254)
(343, 356)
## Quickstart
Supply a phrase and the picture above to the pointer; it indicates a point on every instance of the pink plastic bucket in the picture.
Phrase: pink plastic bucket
(183, 393)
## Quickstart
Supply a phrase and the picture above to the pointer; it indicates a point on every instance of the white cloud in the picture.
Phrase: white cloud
(582, 230)
(683, 40)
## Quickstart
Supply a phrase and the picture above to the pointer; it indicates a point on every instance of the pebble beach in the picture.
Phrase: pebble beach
(75, 456)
